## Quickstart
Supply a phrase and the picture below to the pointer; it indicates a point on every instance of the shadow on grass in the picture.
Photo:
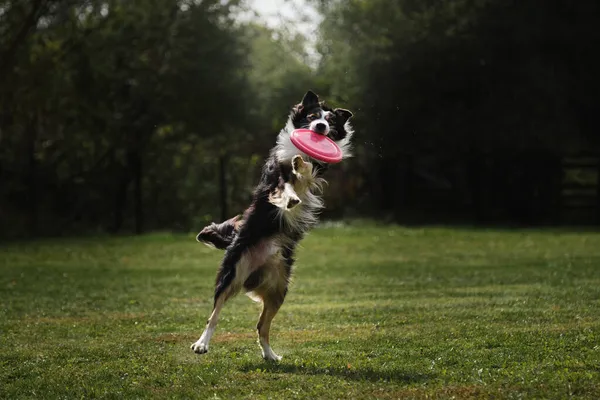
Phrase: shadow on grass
(357, 374)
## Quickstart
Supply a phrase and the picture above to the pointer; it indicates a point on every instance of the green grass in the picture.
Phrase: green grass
(374, 312)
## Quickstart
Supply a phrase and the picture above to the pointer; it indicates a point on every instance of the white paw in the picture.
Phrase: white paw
(300, 167)
(200, 347)
(271, 356)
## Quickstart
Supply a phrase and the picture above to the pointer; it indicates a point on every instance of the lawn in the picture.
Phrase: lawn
(374, 312)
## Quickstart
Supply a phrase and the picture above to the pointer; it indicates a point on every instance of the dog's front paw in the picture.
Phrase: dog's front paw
(300, 167)
(297, 162)
(200, 347)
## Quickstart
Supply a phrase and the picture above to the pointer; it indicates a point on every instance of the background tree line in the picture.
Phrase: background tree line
(473, 110)
(123, 116)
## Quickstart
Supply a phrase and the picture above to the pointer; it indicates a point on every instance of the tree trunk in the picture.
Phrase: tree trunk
(32, 176)
(120, 199)
(387, 168)
(474, 176)
(223, 187)
(598, 192)
(132, 172)
(408, 178)
(137, 192)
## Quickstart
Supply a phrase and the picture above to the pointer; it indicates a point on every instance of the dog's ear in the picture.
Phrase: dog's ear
(343, 115)
(310, 98)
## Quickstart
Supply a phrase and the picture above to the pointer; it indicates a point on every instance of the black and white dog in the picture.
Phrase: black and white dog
(259, 244)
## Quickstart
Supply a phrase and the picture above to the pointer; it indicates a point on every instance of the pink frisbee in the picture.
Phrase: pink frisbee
(317, 146)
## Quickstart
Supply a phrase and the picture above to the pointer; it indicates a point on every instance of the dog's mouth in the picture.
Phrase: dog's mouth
(320, 127)
(285, 148)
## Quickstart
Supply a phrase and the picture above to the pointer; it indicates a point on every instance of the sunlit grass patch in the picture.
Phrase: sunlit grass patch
(373, 312)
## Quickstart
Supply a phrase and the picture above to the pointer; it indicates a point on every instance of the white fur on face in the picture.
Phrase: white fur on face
(321, 120)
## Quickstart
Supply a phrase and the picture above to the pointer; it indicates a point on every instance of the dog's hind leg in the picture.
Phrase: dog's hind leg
(272, 292)
(271, 304)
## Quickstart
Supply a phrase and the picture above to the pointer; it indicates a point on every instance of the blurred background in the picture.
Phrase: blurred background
(135, 116)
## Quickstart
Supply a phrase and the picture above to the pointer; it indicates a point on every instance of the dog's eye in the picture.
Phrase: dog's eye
(313, 116)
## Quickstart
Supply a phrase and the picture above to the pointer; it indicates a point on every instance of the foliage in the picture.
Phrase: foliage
(459, 74)
(467, 84)
(131, 116)
(278, 75)
(115, 114)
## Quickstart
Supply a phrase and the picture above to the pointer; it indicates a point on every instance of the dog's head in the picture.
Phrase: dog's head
(313, 114)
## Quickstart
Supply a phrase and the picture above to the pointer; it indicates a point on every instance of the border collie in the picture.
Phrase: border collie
(260, 243)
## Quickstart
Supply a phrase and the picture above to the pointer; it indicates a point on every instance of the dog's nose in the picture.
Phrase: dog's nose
(320, 127)
(292, 203)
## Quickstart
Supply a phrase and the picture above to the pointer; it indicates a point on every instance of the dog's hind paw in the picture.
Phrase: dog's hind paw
(199, 347)
(271, 356)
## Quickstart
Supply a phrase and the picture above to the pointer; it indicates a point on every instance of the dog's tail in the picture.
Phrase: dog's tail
(220, 235)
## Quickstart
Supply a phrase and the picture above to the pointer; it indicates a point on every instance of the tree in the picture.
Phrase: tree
(463, 79)
(97, 92)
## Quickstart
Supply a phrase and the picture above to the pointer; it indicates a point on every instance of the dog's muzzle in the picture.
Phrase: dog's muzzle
(321, 127)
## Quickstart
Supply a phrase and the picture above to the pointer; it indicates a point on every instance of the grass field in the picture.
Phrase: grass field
(374, 312)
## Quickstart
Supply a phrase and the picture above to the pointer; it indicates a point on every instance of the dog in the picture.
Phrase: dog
(260, 243)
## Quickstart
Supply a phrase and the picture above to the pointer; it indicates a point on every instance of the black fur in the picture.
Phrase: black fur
(262, 220)
(275, 174)
(309, 105)
(219, 235)
(259, 221)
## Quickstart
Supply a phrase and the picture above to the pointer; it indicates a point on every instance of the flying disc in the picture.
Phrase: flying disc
(317, 146)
